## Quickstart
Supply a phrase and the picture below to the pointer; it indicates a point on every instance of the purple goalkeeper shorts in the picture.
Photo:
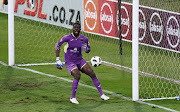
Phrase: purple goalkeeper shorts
(72, 65)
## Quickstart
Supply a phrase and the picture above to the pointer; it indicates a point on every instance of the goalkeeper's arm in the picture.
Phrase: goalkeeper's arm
(59, 64)
(57, 48)
(88, 46)
(57, 53)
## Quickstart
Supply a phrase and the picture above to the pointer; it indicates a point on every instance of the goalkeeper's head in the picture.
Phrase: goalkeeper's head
(76, 29)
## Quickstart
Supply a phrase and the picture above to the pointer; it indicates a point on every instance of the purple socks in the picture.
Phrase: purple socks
(97, 84)
(74, 88)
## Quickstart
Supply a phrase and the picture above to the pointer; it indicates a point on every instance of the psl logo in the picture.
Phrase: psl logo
(34, 8)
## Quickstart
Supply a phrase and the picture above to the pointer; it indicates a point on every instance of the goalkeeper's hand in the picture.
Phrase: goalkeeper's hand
(84, 48)
(59, 63)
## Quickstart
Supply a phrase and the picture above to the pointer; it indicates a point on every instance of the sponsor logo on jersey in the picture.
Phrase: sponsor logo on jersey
(71, 39)
(74, 50)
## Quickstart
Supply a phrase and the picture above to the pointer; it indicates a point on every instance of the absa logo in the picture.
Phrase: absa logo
(90, 15)
(125, 21)
(173, 32)
(156, 28)
(106, 18)
(142, 25)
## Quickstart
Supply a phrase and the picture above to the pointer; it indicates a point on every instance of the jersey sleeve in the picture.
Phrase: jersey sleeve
(60, 42)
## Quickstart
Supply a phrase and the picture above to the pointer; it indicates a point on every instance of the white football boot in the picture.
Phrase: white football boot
(104, 97)
(73, 100)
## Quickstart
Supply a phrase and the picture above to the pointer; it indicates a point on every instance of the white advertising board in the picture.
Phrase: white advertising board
(57, 12)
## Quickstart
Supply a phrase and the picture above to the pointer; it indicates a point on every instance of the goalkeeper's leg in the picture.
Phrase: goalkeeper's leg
(75, 82)
(89, 71)
(74, 89)
(73, 70)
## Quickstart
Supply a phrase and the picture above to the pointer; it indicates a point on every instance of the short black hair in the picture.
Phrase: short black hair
(77, 23)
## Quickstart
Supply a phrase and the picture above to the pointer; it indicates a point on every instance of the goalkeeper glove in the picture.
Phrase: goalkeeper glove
(84, 48)
(59, 63)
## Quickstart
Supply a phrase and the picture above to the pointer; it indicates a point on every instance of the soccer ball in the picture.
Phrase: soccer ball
(96, 61)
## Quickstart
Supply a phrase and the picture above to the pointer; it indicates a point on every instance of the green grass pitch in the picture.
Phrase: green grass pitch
(22, 90)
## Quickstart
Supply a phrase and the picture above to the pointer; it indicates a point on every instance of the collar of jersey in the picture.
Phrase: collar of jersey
(74, 36)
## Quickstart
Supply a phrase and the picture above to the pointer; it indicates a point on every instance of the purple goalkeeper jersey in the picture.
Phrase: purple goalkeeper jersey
(72, 49)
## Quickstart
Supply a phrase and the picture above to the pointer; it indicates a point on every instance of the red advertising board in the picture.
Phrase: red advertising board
(102, 17)
(107, 18)
(157, 28)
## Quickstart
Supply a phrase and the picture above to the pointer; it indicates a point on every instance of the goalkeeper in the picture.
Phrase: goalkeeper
(75, 44)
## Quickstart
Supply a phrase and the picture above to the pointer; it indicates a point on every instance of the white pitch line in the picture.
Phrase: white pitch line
(106, 91)
(2, 63)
